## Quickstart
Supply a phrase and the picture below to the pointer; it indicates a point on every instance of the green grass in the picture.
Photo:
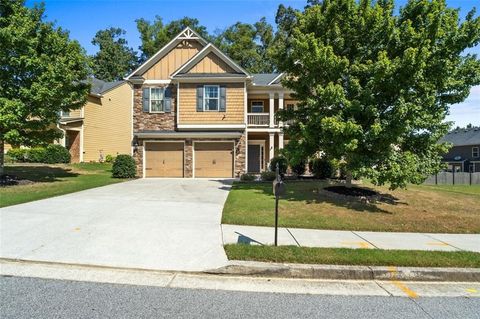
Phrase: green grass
(423, 208)
(54, 180)
(346, 256)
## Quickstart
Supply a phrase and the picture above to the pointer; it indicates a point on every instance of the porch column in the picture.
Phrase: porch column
(280, 140)
(271, 146)
(280, 107)
(271, 109)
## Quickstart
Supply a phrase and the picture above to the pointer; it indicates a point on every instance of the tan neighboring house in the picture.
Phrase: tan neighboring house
(103, 126)
(196, 113)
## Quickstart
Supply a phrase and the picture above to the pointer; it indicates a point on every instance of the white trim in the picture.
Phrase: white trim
(150, 100)
(271, 109)
(256, 101)
(214, 141)
(211, 79)
(203, 53)
(144, 157)
(275, 79)
(193, 134)
(218, 97)
(265, 129)
(147, 82)
(177, 104)
(211, 126)
(165, 49)
(271, 146)
(132, 113)
(245, 103)
(478, 151)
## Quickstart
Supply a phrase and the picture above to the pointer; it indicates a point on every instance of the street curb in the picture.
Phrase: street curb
(305, 271)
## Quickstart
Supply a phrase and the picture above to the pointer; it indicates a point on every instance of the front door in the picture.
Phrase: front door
(254, 158)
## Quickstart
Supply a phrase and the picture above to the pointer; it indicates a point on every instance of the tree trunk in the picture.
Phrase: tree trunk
(348, 179)
(2, 156)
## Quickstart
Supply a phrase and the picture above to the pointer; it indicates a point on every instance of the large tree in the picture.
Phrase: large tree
(154, 35)
(114, 58)
(41, 73)
(375, 87)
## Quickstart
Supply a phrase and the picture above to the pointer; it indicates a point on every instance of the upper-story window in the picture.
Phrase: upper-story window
(156, 99)
(475, 152)
(211, 100)
(257, 106)
(64, 113)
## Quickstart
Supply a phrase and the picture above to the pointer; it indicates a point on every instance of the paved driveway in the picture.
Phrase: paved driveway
(168, 224)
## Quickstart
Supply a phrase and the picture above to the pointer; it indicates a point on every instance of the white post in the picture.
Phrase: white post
(271, 109)
(280, 140)
(280, 107)
(271, 146)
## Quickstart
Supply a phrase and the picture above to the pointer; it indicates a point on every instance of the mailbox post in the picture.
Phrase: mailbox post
(278, 190)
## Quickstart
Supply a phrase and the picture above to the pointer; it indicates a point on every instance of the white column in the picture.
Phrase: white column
(271, 109)
(271, 145)
(280, 140)
(280, 107)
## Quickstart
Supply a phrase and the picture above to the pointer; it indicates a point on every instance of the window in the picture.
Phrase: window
(64, 113)
(156, 99)
(290, 107)
(257, 106)
(211, 98)
(475, 152)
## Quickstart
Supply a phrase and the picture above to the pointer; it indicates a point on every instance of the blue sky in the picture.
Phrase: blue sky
(83, 18)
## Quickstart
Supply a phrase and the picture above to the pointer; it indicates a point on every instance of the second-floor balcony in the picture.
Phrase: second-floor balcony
(258, 119)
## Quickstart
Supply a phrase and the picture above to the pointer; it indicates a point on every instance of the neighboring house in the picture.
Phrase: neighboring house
(103, 126)
(464, 156)
(197, 113)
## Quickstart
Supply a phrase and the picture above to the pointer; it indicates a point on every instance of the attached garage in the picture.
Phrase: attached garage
(213, 159)
(164, 159)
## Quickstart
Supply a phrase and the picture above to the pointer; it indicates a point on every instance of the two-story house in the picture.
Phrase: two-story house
(464, 156)
(197, 113)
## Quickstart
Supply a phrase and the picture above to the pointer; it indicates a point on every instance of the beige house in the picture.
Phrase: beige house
(103, 126)
(196, 113)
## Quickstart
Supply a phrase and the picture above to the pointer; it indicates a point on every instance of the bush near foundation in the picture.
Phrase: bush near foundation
(124, 167)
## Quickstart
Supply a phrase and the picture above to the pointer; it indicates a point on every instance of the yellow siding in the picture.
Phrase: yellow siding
(211, 64)
(108, 125)
(233, 115)
(76, 113)
(173, 60)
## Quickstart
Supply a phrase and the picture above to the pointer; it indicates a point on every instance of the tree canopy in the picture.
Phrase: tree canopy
(374, 87)
(41, 73)
(114, 58)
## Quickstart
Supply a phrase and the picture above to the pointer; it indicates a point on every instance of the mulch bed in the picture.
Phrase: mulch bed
(12, 180)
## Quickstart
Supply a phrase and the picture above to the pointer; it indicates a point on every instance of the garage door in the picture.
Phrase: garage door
(214, 159)
(164, 159)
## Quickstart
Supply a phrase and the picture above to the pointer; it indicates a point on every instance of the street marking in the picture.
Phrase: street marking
(361, 244)
(409, 292)
(472, 290)
(437, 244)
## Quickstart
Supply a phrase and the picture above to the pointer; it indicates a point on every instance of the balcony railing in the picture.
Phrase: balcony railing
(258, 119)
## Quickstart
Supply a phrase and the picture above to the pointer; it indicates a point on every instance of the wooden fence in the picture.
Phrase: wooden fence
(452, 178)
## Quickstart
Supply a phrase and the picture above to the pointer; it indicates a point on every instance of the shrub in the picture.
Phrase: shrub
(109, 158)
(247, 177)
(55, 153)
(282, 164)
(35, 155)
(17, 154)
(321, 168)
(268, 176)
(299, 168)
(124, 167)
(342, 170)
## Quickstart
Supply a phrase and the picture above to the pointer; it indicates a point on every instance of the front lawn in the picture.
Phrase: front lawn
(420, 208)
(346, 256)
(54, 180)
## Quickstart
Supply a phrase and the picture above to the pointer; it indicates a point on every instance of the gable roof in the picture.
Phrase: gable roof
(98, 87)
(263, 79)
(186, 34)
(209, 48)
(463, 137)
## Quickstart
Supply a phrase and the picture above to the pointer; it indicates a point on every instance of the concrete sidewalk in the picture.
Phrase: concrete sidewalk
(233, 234)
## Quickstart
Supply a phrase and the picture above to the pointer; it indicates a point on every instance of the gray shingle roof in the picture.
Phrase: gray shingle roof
(460, 137)
(262, 79)
(99, 86)
(210, 75)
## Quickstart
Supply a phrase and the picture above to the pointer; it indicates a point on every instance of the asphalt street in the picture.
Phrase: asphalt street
(23, 297)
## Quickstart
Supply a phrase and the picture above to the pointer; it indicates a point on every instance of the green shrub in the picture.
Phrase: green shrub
(268, 176)
(55, 153)
(35, 155)
(247, 177)
(282, 164)
(124, 167)
(342, 170)
(109, 158)
(322, 168)
(299, 168)
(17, 154)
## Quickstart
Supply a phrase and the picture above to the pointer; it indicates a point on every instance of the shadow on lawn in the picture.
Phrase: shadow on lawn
(308, 192)
(43, 174)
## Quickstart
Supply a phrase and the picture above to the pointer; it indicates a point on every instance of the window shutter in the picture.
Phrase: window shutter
(223, 98)
(200, 98)
(146, 99)
(167, 100)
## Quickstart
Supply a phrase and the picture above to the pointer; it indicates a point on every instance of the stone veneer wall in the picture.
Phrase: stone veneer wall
(153, 121)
